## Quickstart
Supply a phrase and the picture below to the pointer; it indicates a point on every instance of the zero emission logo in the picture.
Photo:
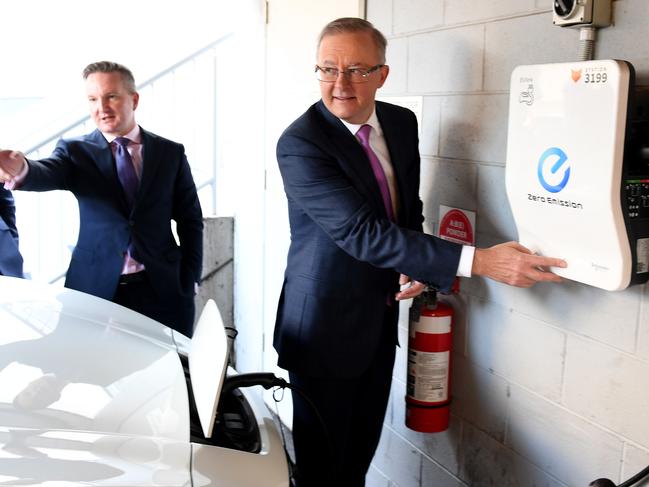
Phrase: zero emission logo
(548, 159)
(553, 172)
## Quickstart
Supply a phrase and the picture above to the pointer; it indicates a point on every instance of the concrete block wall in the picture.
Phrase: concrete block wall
(218, 267)
(550, 383)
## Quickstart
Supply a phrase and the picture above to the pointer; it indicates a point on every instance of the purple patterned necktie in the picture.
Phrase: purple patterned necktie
(125, 170)
(363, 135)
(128, 179)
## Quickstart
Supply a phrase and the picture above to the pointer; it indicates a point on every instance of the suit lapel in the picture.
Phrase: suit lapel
(151, 157)
(352, 158)
(150, 162)
(103, 156)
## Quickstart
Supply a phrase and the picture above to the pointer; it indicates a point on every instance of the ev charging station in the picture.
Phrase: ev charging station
(577, 173)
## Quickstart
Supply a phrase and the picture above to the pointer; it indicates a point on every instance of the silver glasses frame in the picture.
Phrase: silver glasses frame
(348, 73)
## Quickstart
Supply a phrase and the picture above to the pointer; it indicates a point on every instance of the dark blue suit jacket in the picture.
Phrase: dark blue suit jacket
(345, 255)
(11, 262)
(85, 166)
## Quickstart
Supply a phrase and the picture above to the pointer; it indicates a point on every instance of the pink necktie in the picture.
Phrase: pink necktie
(363, 135)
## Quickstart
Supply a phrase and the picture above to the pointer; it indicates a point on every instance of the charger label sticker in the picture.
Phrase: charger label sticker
(642, 253)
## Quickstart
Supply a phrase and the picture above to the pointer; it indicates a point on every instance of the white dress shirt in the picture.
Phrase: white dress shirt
(380, 148)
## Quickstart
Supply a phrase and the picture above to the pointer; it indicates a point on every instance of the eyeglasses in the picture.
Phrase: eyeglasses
(355, 75)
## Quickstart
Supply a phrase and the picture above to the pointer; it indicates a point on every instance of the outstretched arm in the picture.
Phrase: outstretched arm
(514, 264)
(12, 164)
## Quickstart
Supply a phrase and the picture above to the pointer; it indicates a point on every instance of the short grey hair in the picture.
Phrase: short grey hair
(111, 67)
(354, 24)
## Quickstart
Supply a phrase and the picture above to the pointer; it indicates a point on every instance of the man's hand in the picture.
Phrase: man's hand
(513, 264)
(415, 288)
(11, 164)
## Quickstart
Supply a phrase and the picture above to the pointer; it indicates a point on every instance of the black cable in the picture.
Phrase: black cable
(628, 483)
(637, 477)
(325, 433)
(291, 463)
(268, 380)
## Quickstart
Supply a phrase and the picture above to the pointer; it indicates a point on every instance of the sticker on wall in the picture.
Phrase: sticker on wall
(457, 225)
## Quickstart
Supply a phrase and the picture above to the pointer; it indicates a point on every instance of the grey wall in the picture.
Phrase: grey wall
(218, 267)
(550, 384)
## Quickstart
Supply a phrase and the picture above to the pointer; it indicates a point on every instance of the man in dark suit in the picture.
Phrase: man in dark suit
(130, 184)
(11, 262)
(350, 168)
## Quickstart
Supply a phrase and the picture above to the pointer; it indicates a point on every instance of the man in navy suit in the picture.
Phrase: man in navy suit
(356, 234)
(11, 262)
(126, 251)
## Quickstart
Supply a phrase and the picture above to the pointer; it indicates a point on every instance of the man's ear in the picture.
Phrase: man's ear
(385, 70)
(136, 99)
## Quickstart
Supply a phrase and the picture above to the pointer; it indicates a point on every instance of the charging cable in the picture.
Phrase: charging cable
(609, 483)
(268, 380)
(636, 478)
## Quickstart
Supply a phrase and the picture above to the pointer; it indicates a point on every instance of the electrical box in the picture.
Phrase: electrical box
(580, 13)
(577, 173)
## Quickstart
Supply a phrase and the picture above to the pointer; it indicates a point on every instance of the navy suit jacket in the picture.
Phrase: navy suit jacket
(85, 166)
(11, 262)
(345, 255)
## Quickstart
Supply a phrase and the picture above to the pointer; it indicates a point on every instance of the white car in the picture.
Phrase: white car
(92, 393)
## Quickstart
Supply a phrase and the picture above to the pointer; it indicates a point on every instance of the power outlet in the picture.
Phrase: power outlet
(581, 13)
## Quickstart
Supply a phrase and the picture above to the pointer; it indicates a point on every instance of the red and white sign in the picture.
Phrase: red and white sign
(457, 225)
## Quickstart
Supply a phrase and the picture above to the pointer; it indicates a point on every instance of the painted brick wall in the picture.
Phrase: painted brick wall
(551, 385)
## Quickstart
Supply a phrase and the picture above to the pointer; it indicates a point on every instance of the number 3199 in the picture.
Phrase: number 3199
(595, 78)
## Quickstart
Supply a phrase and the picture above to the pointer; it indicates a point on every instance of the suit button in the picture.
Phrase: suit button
(131, 223)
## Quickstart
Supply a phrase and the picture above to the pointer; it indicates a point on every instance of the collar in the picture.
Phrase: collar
(134, 135)
(373, 121)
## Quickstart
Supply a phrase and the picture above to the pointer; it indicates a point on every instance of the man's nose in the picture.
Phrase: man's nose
(342, 80)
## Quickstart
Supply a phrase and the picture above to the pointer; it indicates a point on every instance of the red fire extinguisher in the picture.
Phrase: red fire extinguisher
(428, 390)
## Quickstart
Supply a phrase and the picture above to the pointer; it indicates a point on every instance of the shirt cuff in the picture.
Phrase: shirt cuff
(18, 179)
(466, 261)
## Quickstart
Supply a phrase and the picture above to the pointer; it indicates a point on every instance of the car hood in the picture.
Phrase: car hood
(73, 362)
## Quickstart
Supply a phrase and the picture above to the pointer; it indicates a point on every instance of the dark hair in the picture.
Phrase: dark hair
(354, 24)
(111, 67)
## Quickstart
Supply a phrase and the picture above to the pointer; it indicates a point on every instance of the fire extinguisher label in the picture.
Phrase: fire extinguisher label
(431, 324)
(428, 374)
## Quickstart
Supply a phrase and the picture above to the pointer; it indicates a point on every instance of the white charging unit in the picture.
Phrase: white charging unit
(565, 177)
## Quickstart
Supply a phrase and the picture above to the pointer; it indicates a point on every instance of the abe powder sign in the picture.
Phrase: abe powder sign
(457, 225)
